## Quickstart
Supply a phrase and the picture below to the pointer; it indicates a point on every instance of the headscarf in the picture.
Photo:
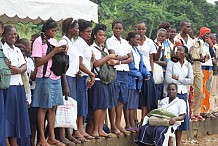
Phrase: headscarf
(204, 30)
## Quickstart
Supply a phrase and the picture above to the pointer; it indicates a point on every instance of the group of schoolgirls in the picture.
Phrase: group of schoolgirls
(133, 87)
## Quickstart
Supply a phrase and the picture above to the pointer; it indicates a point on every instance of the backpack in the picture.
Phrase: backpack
(5, 72)
(60, 62)
(107, 73)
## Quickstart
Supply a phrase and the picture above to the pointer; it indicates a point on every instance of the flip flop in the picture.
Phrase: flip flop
(96, 137)
(117, 132)
(89, 137)
(126, 133)
(42, 144)
(57, 143)
(106, 136)
(68, 142)
(130, 129)
(82, 139)
(73, 139)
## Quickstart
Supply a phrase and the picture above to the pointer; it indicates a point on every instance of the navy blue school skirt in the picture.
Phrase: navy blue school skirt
(148, 96)
(133, 99)
(82, 96)
(121, 87)
(186, 124)
(2, 120)
(17, 118)
(102, 95)
(72, 85)
(159, 91)
(151, 135)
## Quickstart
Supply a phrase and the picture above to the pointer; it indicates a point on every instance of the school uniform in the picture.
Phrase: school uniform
(47, 91)
(73, 66)
(137, 71)
(101, 94)
(148, 94)
(16, 113)
(186, 78)
(121, 83)
(165, 52)
(2, 120)
(81, 82)
(155, 135)
(2, 115)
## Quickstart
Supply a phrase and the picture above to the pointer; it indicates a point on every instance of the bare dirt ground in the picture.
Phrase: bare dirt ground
(210, 140)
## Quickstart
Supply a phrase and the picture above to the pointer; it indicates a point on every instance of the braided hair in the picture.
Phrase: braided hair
(49, 24)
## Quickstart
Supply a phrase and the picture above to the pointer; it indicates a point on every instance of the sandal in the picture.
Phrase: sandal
(81, 138)
(194, 119)
(56, 143)
(105, 136)
(200, 118)
(68, 142)
(205, 115)
(131, 129)
(43, 144)
(117, 132)
(126, 133)
(96, 137)
(89, 137)
(73, 139)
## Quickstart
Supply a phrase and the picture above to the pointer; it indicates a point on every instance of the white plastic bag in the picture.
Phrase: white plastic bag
(66, 114)
(158, 74)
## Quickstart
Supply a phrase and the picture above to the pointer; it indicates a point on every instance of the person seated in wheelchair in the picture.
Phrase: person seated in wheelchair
(154, 135)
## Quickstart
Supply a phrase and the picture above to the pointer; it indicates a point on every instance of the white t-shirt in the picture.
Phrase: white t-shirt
(85, 52)
(121, 48)
(146, 49)
(73, 57)
(30, 65)
(136, 57)
(206, 52)
(17, 59)
(30, 68)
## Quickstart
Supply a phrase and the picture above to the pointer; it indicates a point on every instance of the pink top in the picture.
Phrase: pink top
(39, 50)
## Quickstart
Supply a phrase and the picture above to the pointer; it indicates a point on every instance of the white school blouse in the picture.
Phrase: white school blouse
(85, 52)
(17, 59)
(73, 57)
(146, 49)
(121, 47)
(97, 55)
(184, 72)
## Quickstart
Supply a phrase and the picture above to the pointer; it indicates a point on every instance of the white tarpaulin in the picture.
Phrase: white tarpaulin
(37, 10)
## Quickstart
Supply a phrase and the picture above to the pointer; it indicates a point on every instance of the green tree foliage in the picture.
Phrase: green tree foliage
(153, 12)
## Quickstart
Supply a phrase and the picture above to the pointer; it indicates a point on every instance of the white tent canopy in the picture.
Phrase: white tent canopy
(36, 11)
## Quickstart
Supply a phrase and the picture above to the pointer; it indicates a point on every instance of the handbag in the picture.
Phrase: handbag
(5, 73)
(66, 114)
(158, 74)
(161, 117)
(60, 62)
(158, 121)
